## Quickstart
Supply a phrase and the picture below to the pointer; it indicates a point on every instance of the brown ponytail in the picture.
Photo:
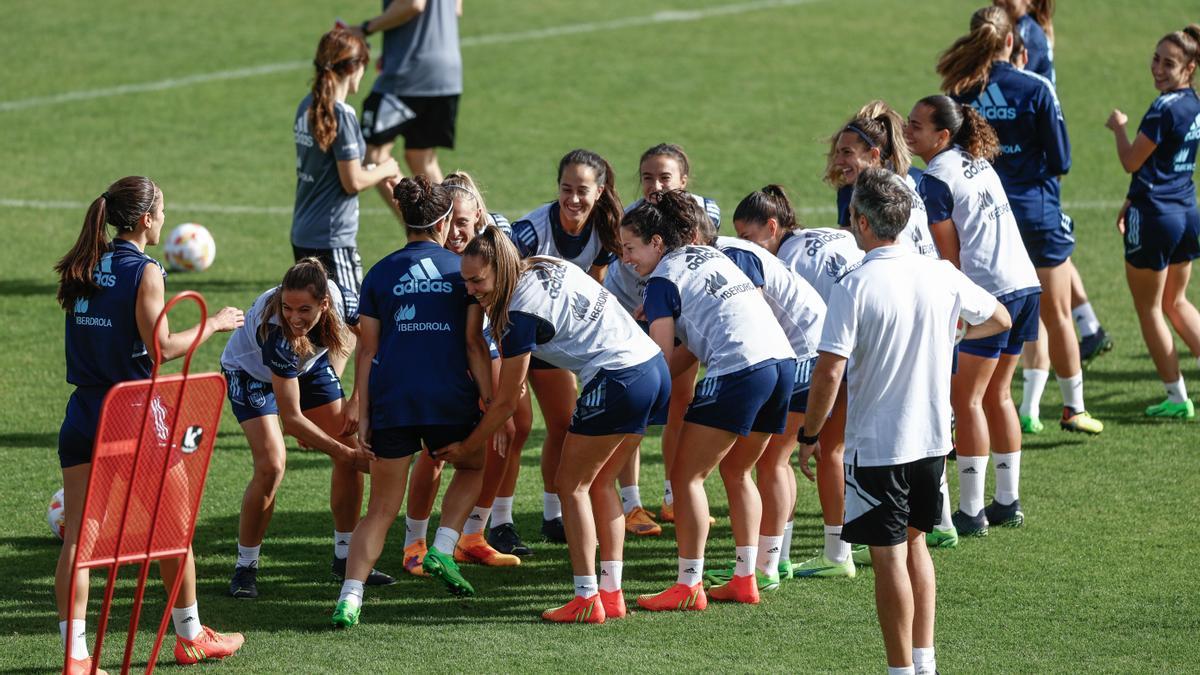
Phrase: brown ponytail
(339, 53)
(965, 65)
(495, 250)
(605, 217)
(122, 205)
(770, 202)
(885, 127)
(966, 126)
(308, 274)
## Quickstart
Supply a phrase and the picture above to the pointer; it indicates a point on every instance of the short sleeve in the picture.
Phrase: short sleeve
(661, 300)
(524, 237)
(748, 263)
(347, 144)
(840, 332)
(1155, 124)
(521, 335)
(939, 203)
(843, 205)
(277, 355)
(501, 223)
(975, 304)
(713, 211)
(604, 259)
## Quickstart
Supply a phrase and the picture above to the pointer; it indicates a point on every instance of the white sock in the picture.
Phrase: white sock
(690, 571)
(1085, 319)
(551, 506)
(901, 670)
(415, 530)
(79, 645)
(786, 553)
(971, 474)
(669, 497)
(771, 547)
(445, 540)
(187, 621)
(352, 592)
(1008, 476)
(1031, 399)
(1072, 391)
(502, 511)
(610, 575)
(924, 662)
(248, 555)
(836, 549)
(745, 557)
(341, 544)
(1176, 391)
(631, 498)
(477, 520)
(585, 586)
(947, 522)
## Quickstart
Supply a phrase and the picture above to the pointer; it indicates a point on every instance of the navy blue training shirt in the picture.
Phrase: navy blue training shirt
(1041, 54)
(1163, 184)
(420, 374)
(1034, 147)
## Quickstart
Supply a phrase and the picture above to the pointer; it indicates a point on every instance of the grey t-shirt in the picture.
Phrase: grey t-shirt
(421, 57)
(324, 215)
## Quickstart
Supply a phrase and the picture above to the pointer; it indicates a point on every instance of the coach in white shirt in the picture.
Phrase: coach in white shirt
(894, 317)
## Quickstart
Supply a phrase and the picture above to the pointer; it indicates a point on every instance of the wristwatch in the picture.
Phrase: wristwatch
(807, 440)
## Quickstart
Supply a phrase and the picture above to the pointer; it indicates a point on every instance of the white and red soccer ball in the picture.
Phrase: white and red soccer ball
(56, 515)
(190, 248)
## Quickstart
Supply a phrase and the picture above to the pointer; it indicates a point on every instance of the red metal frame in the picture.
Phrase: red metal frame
(119, 557)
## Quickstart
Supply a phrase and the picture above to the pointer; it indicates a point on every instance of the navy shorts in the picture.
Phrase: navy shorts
(753, 399)
(77, 434)
(424, 121)
(250, 398)
(1050, 247)
(623, 401)
(882, 502)
(804, 373)
(1153, 241)
(1024, 313)
(397, 442)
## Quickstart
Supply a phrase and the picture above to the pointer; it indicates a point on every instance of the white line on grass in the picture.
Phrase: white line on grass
(234, 209)
(675, 16)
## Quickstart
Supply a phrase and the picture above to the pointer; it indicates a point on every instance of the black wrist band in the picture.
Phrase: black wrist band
(365, 27)
(806, 440)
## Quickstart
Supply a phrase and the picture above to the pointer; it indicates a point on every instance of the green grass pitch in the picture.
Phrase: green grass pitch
(1102, 577)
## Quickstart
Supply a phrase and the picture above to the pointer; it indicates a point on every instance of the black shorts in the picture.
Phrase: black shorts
(424, 121)
(882, 502)
(343, 264)
(397, 442)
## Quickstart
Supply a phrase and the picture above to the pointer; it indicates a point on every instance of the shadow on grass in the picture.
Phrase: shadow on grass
(48, 439)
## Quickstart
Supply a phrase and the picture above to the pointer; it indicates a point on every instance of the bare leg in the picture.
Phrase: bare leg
(606, 504)
(556, 394)
(1003, 426)
(967, 387)
(777, 479)
(583, 457)
(1148, 299)
(75, 480)
(462, 493)
(424, 161)
(745, 505)
(388, 478)
(423, 484)
(683, 388)
(924, 589)
(894, 599)
(706, 446)
(523, 419)
(269, 455)
(345, 482)
(1181, 312)
(831, 479)
(1056, 316)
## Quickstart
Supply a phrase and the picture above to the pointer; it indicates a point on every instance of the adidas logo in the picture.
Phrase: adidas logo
(189, 619)
(690, 570)
(343, 542)
(970, 471)
(1002, 465)
(103, 274)
(773, 549)
(1193, 132)
(603, 573)
(695, 256)
(739, 559)
(475, 516)
(992, 104)
(422, 277)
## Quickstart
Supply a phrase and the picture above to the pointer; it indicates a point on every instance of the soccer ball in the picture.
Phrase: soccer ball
(56, 515)
(190, 248)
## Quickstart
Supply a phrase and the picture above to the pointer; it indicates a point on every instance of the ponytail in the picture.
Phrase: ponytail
(770, 202)
(308, 274)
(495, 250)
(674, 216)
(965, 65)
(338, 55)
(605, 218)
(122, 205)
(422, 203)
(967, 127)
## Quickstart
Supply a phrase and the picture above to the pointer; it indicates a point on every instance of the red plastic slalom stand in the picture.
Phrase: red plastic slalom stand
(149, 464)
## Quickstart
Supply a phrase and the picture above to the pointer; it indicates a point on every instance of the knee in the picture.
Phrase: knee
(269, 474)
(570, 486)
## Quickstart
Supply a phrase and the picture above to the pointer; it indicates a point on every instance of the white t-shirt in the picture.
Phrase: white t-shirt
(820, 255)
(894, 318)
(566, 319)
(968, 192)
